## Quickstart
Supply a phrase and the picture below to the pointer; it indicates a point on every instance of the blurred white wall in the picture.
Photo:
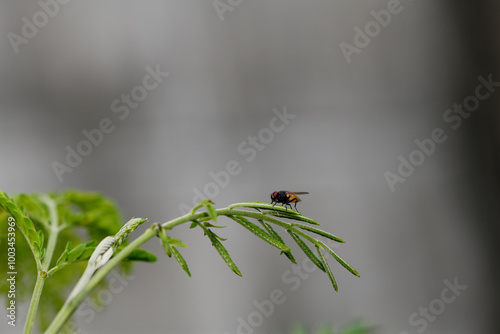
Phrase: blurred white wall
(351, 121)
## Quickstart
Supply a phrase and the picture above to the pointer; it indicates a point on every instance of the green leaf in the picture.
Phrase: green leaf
(276, 236)
(41, 237)
(327, 269)
(128, 228)
(210, 209)
(139, 254)
(80, 253)
(271, 231)
(24, 222)
(13, 209)
(212, 225)
(164, 241)
(291, 215)
(169, 242)
(90, 210)
(37, 246)
(306, 250)
(63, 257)
(76, 252)
(272, 220)
(223, 252)
(181, 261)
(32, 206)
(176, 242)
(318, 231)
(89, 249)
(219, 237)
(304, 235)
(339, 259)
(32, 238)
(259, 205)
(260, 233)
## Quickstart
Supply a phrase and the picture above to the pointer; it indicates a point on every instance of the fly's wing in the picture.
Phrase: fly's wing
(293, 196)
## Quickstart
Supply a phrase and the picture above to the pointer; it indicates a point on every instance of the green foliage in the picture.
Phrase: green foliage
(310, 254)
(215, 239)
(290, 215)
(98, 215)
(72, 255)
(170, 244)
(327, 268)
(52, 226)
(267, 216)
(261, 233)
(276, 236)
(318, 231)
(178, 257)
(73, 211)
(338, 258)
(25, 265)
(210, 209)
(141, 255)
(24, 223)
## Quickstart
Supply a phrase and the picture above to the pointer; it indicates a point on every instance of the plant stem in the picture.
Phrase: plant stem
(42, 274)
(37, 292)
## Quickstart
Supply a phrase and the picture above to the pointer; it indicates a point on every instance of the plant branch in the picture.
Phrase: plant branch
(211, 214)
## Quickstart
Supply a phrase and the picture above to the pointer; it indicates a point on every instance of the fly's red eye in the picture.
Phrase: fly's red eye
(275, 194)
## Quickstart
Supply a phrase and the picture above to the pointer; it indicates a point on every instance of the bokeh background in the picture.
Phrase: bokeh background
(353, 117)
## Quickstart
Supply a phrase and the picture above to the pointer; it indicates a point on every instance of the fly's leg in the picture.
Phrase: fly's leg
(295, 207)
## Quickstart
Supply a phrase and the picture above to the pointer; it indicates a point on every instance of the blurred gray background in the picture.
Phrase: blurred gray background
(353, 117)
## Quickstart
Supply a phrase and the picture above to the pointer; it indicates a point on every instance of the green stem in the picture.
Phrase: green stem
(70, 306)
(42, 274)
(37, 292)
